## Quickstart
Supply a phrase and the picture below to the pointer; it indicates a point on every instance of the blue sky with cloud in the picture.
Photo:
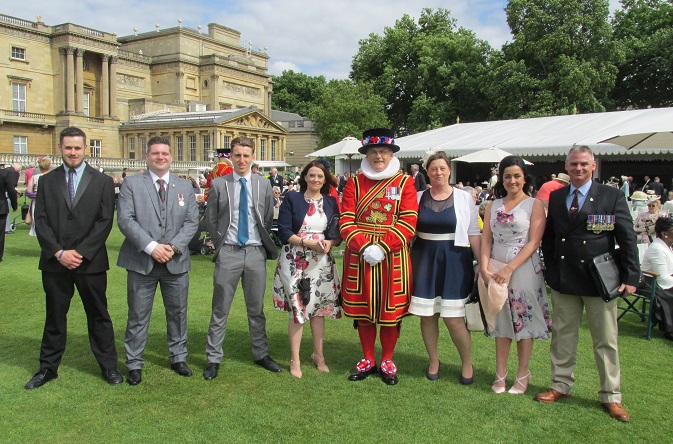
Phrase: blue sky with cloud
(315, 37)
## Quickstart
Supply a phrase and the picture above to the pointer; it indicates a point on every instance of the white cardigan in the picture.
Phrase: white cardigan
(467, 216)
(659, 258)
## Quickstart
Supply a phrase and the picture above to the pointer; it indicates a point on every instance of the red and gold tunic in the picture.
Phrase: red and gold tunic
(383, 213)
(221, 169)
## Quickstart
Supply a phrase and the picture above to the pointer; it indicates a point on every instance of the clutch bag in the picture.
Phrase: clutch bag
(605, 272)
(332, 231)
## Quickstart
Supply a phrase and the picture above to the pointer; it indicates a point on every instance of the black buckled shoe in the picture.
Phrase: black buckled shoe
(389, 372)
(363, 369)
(43, 376)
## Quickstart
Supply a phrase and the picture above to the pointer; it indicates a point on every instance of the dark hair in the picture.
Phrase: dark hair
(499, 189)
(71, 131)
(244, 141)
(663, 224)
(158, 140)
(437, 156)
(329, 180)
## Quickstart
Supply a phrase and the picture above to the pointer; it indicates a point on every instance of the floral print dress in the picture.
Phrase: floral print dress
(296, 262)
(525, 314)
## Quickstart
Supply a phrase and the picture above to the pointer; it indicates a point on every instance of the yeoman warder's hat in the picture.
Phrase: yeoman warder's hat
(224, 152)
(378, 137)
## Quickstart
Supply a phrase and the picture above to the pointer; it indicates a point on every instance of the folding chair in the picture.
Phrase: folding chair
(644, 295)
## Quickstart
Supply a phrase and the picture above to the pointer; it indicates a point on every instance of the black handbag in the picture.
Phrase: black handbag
(605, 273)
(304, 287)
(332, 231)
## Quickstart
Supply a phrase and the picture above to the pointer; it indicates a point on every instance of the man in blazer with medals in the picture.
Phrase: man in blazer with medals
(239, 216)
(571, 239)
(74, 211)
(158, 215)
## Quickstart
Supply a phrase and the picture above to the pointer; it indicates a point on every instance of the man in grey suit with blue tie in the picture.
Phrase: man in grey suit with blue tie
(239, 217)
(158, 215)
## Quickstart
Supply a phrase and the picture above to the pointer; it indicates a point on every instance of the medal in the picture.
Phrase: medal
(600, 222)
(393, 193)
(181, 200)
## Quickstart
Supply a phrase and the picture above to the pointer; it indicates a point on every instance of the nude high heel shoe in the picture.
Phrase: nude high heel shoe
(319, 362)
(295, 369)
(520, 381)
(496, 387)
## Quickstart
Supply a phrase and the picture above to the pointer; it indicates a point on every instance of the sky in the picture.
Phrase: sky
(314, 37)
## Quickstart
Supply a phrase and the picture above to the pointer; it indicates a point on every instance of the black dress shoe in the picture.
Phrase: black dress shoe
(389, 378)
(135, 377)
(113, 376)
(181, 368)
(359, 376)
(268, 364)
(41, 378)
(211, 371)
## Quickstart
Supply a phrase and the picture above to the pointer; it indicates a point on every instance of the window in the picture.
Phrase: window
(132, 147)
(20, 144)
(19, 97)
(273, 150)
(95, 146)
(143, 146)
(87, 98)
(227, 142)
(18, 53)
(262, 149)
(192, 148)
(178, 147)
(206, 147)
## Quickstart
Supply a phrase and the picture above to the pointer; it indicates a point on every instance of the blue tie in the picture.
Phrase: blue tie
(243, 214)
(71, 185)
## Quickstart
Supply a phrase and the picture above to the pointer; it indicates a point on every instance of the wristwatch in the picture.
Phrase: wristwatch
(175, 249)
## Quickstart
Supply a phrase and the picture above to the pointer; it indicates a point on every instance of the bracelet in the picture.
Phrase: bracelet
(59, 256)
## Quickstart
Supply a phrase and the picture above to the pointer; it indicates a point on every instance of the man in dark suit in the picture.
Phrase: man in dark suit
(657, 187)
(276, 180)
(9, 178)
(419, 178)
(239, 216)
(586, 219)
(158, 216)
(74, 212)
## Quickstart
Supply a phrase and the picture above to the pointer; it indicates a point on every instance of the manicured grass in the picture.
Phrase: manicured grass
(248, 404)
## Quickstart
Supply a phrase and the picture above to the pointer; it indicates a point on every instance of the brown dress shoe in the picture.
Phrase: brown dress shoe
(616, 411)
(550, 395)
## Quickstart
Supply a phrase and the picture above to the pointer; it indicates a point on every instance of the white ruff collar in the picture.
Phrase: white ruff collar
(389, 172)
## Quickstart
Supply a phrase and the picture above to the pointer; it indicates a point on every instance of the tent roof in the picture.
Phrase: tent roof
(542, 136)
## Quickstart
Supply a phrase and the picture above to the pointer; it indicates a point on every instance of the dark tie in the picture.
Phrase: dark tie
(243, 214)
(162, 190)
(575, 206)
(71, 185)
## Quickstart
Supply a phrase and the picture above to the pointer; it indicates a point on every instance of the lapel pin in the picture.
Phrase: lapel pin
(591, 199)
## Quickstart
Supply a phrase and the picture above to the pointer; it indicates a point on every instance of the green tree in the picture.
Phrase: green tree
(346, 109)
(562, 59)
(295, 92)
(428, 72)
(645, 29)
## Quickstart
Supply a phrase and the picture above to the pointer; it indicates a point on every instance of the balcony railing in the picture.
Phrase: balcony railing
(17, 21)
(13, 113)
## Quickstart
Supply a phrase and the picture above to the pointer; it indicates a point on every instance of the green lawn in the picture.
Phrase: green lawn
(246, 403)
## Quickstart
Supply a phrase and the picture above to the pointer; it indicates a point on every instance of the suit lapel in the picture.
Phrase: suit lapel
(170, 197)
(83, 184)
(152, 193)
(60, 171)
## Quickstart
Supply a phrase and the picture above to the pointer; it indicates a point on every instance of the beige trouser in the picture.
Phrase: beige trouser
(566, 320)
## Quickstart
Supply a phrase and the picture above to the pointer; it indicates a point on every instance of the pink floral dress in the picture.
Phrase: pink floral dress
(296, 262)
(525, 314)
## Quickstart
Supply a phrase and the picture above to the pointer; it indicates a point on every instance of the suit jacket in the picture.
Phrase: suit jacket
(138, 217)
(419, 182)
(220, 206)
(84, 226)
(293, 211)
(9, 178)
(277, 182)
(568, 246)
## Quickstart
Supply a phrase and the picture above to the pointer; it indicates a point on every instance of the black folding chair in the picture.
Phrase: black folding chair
(643, 298)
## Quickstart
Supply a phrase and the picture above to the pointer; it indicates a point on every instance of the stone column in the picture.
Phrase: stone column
(180, 76)
(214, 92)
(113, 87)
(69, 80)
(79, 83)
(105, 90)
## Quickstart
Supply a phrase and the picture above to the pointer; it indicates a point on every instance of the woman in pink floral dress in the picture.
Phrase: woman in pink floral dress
(513, 228)
(305, 253)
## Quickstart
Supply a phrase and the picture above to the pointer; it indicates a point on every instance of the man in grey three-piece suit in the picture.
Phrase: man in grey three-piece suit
(239, 217)
(158, 215)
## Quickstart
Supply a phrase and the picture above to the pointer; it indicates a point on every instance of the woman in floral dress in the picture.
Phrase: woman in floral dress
(302, 221)
(513, 229)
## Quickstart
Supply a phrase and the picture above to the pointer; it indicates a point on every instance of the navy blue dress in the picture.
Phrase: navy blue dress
(443, 273)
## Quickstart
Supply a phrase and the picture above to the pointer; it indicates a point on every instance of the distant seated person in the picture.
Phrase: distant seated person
(659, 259)
(223, 167)
(639, 201)
(644, 222)
(557, 182)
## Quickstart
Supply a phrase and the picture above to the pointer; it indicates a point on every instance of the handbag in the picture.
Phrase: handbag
(605, 273)
(473, 314)
(332, 231)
